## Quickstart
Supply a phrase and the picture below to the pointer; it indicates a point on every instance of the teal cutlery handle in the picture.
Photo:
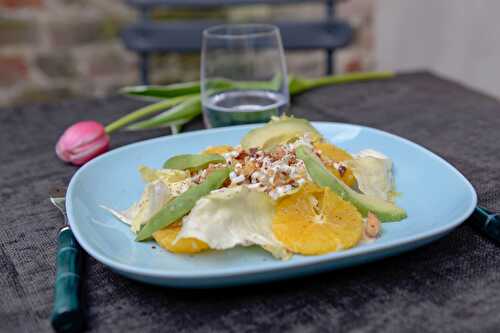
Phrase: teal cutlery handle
(67, 314)
(487, 222)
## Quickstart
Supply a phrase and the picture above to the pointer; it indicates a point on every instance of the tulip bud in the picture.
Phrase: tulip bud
(81, 142)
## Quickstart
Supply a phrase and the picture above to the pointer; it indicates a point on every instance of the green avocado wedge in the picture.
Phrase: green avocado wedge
(278, 131)
(181, 205)
(385, 211)
(192, 161)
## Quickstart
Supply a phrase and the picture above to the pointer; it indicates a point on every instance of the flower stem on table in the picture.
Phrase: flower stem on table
(144, 112)
(187, 109)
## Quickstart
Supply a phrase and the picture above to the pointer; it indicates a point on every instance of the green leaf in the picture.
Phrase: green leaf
(162, 92)
(185, 104)
(188, 109)
(193, 88)
(176, 125)
(144, 112)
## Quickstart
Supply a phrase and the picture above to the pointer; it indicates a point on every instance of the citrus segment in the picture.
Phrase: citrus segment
(332, 153)
(316, 221)
(166, 236)
(218, 149)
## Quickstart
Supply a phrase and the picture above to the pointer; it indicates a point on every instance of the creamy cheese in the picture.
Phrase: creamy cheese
(373, 173)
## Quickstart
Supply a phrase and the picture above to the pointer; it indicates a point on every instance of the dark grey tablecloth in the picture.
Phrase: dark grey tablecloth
(452, 285)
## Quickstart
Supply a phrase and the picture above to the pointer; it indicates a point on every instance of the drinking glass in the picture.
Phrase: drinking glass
(243, 74)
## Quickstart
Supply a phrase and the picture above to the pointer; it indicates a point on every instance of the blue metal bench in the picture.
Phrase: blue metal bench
(148, 36)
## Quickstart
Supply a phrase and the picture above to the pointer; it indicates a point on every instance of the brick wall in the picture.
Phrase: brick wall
(56, 49)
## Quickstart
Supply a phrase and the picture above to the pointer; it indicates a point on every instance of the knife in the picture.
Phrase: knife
(487, 222)
(67, 314)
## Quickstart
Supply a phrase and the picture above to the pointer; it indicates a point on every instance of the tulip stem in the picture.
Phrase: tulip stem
(347, 78)
(299, 84)
(143, 112)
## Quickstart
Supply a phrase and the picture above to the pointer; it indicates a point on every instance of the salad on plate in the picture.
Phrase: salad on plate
(285, 188)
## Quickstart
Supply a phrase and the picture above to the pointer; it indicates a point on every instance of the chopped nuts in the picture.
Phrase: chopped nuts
(276, 173)
(372, 227)
(241, 155)
(249, 168)
(278, 154)
(342, 169)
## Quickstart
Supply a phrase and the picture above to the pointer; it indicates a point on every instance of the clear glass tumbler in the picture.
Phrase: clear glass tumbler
(243, 74)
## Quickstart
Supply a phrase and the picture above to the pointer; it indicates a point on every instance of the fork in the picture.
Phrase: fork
(67, 314)
(486, 222)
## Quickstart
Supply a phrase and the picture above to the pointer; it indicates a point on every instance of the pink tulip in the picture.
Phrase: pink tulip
(81, 142)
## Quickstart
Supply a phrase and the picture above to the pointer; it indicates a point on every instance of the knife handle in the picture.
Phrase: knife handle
(486, 222)
(67, 314)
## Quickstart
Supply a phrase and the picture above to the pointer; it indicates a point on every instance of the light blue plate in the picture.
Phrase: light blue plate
(436, 196)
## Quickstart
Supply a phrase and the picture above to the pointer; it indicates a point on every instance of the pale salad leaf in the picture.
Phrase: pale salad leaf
(373, 173)
(161, 186)
(155, 196)
(178, 181)
(167, 175)
(233, 216)
(126, 216)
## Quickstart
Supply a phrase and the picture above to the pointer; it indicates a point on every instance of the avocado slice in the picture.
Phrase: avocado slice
(181, 205)
(384, 210)
(192, 161)
(278, 131)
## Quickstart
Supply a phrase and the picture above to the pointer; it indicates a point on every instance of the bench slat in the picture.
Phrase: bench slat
(185, 36)
(211, 3)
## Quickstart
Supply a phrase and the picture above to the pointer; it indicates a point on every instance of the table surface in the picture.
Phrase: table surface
(452, 285)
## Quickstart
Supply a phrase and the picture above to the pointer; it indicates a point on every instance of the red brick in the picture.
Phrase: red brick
(15, 4)
(56, 64)
(83, 31)
(67, 34)
(108, 65)
(13, 69)
(353, 65)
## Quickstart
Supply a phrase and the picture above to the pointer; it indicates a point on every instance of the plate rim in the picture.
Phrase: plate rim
(283, 265)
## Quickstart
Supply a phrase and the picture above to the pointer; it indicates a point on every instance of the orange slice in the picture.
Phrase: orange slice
(165, 238)
(332, 153)
(217, 149)
(315, 221)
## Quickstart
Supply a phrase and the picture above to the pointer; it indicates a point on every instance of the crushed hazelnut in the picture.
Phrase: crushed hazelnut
(372, 227)
(342, 169)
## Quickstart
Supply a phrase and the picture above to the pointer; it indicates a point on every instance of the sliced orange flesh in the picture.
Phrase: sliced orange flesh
(166, 236)
(218, 149)
(332, 153)
(315, 221)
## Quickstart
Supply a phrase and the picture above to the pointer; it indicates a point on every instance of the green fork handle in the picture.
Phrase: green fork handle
(487, 222)
(67, 314)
